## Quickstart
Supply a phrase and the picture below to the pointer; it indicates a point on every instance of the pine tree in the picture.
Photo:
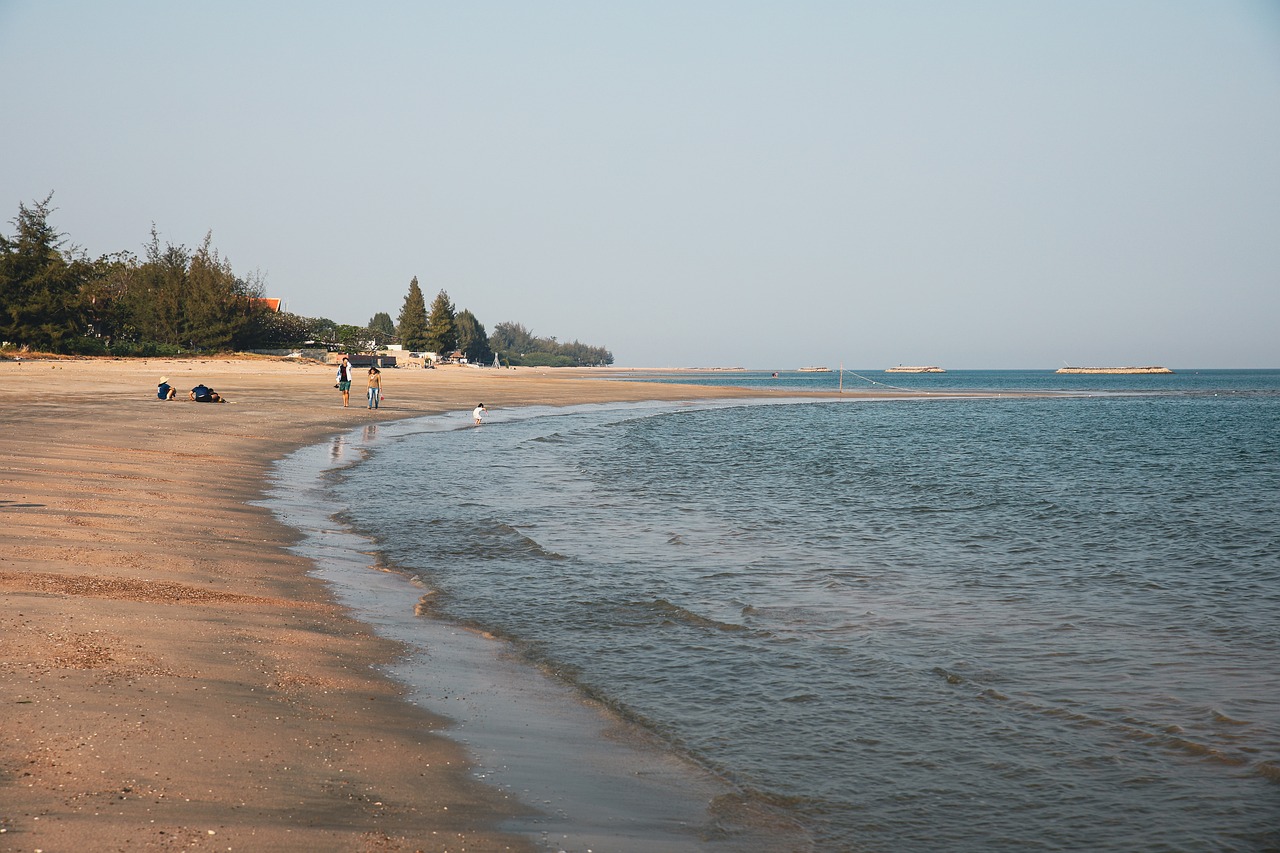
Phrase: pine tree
(212, 304)
(412, 326)
(40, 304)
(154, 298)
(442, 328)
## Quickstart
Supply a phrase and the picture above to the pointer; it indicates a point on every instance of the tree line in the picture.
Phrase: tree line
(174, 300)
(169, 301)
(444, 330)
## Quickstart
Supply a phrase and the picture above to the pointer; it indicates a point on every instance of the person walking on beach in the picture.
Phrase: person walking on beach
(344, 381)
(478, 414)
(375, 387)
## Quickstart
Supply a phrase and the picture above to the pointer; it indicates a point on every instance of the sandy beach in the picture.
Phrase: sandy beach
(173, 678)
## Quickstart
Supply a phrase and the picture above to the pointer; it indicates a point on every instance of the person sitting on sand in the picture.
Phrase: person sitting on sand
(203, 394)
(165, 391)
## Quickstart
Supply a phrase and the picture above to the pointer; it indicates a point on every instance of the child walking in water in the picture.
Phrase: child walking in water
(375, 387)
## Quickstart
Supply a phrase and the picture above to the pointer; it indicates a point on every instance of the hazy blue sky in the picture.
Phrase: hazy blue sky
(761, 184)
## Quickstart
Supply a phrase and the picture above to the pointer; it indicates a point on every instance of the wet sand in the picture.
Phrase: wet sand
(172, 674)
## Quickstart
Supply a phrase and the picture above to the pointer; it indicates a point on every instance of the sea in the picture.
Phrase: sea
(1040, 613)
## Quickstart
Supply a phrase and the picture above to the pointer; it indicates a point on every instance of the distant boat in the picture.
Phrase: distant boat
(1096, 370)
(815, 370)
(902, 369)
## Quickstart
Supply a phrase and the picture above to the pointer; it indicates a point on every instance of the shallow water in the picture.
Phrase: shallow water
(978, 624)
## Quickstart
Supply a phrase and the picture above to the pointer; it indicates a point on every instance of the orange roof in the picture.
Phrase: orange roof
(269, 304)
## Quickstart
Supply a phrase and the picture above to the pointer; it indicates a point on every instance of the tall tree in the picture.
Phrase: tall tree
(153, 299)
(40, 304)
(211, 313)
(383, 329)
(442, 329)
(104, 298)
(472, 339)
(412, 326)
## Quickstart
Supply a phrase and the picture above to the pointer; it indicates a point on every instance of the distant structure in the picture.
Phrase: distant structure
(815, 369)
(903, 369)
(272, 305)
(1113, 370)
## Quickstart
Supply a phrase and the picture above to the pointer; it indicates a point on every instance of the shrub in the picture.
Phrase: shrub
(81, 345)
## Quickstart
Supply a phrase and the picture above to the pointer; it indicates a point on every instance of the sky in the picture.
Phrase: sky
(973, 184)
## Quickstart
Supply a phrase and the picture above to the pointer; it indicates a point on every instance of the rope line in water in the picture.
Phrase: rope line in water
(885, 384)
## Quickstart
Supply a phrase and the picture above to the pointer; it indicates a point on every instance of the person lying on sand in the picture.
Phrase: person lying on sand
(203, 394)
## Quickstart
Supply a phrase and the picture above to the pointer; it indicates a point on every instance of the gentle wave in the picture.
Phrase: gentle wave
(663, 611)
(1162, 735)
(478, 539)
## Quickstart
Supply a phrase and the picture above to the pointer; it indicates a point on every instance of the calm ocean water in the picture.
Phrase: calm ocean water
(911, 624)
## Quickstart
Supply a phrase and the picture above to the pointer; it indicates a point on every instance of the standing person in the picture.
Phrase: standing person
(478, 413)
(344, 381)
(375, 387)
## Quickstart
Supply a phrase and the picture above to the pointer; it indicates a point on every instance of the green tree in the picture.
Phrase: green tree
(517, 345)
(182, 299)
(253, 319)
(214, 302)
(382, 328)
(412, 325)
(472, 339)
(582, 355)
(103, 299)
(324, 330)
(352, 338)
(442, 329)
(152, 299)
(511, 341)
(40, 285)
(282, 329)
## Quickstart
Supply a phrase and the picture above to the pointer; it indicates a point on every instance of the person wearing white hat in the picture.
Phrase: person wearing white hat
(164, 390)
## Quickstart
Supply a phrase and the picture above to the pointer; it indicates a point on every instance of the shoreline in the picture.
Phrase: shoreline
(175, 672)
(587, 778)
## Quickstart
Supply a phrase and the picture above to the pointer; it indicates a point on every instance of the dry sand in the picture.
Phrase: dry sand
(171, 677)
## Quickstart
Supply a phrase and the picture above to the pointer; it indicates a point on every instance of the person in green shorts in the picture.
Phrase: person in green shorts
(344, 381)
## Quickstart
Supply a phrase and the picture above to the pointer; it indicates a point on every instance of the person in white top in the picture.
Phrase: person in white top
(344, 381)
(478, 413)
